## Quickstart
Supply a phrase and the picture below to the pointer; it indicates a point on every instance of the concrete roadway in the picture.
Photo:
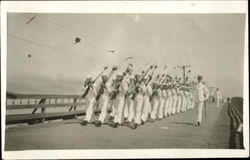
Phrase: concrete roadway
(172, 132)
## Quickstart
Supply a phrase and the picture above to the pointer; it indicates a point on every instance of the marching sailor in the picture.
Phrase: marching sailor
(89, 94)
(155, 100)
(218, 97)
(105, 89)
(146, 102)
(138, 99)
(112, 102)
(130, 101)
(170, 98)
(174, 99)
(162, 96)
(183, 109)
(121, 89)
(167, 100)
(179, 99)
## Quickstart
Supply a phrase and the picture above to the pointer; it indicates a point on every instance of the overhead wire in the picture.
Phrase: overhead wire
(53, 48)
(97, 40)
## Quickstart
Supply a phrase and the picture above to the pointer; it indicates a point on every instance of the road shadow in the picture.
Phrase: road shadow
(184, 123)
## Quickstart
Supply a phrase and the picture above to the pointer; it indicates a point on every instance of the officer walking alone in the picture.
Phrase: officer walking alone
(201, 94)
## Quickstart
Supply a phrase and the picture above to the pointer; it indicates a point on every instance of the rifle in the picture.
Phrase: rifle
(101, 90)
(162, 76)
(116, 91)
(144, 75)
(92, 82)
(151, 76)
(137, 88)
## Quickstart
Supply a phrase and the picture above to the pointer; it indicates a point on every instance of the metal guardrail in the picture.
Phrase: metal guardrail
(235, 111)
(37, 102)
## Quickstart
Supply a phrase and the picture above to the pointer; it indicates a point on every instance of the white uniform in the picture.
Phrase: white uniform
(166, 104)
(146, 104)
(127, 100)
(119, 103)
(187, 99)
(201, 93)
(183, 101)
(162, 103)
(90, 99)
(112, 102)
(174, 101)
(178, 100)
(218, 98)
(170, 101)
(130, 103)
(155, 104)
(138, 103)
(103, 101)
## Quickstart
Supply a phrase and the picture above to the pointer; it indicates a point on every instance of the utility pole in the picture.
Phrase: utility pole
(184, 71)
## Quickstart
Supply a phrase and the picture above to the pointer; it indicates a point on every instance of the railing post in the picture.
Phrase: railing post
(74, 107)
(43, 109)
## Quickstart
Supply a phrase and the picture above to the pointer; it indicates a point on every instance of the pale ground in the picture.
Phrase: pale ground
(172, 132)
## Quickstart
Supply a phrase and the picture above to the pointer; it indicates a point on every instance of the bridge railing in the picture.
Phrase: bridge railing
(235, 110)
(41, 103)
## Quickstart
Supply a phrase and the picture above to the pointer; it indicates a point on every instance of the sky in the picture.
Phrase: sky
(212, 44)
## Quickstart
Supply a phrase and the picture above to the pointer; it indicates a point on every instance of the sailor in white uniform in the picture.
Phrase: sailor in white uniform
(89, 94)
(122, 88)
(174, 104)
(146, 103)
(201, 93)
(105, 88)
(218, 97)
(138, 99)
(155, 100)
(129, 100)
(162, 96)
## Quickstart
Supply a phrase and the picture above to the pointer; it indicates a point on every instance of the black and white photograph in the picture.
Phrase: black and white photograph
(125, 81)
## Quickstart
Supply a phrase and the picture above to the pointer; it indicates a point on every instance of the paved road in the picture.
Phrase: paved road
(172, 132)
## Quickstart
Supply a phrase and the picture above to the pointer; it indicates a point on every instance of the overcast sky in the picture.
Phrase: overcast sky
(213, 44)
